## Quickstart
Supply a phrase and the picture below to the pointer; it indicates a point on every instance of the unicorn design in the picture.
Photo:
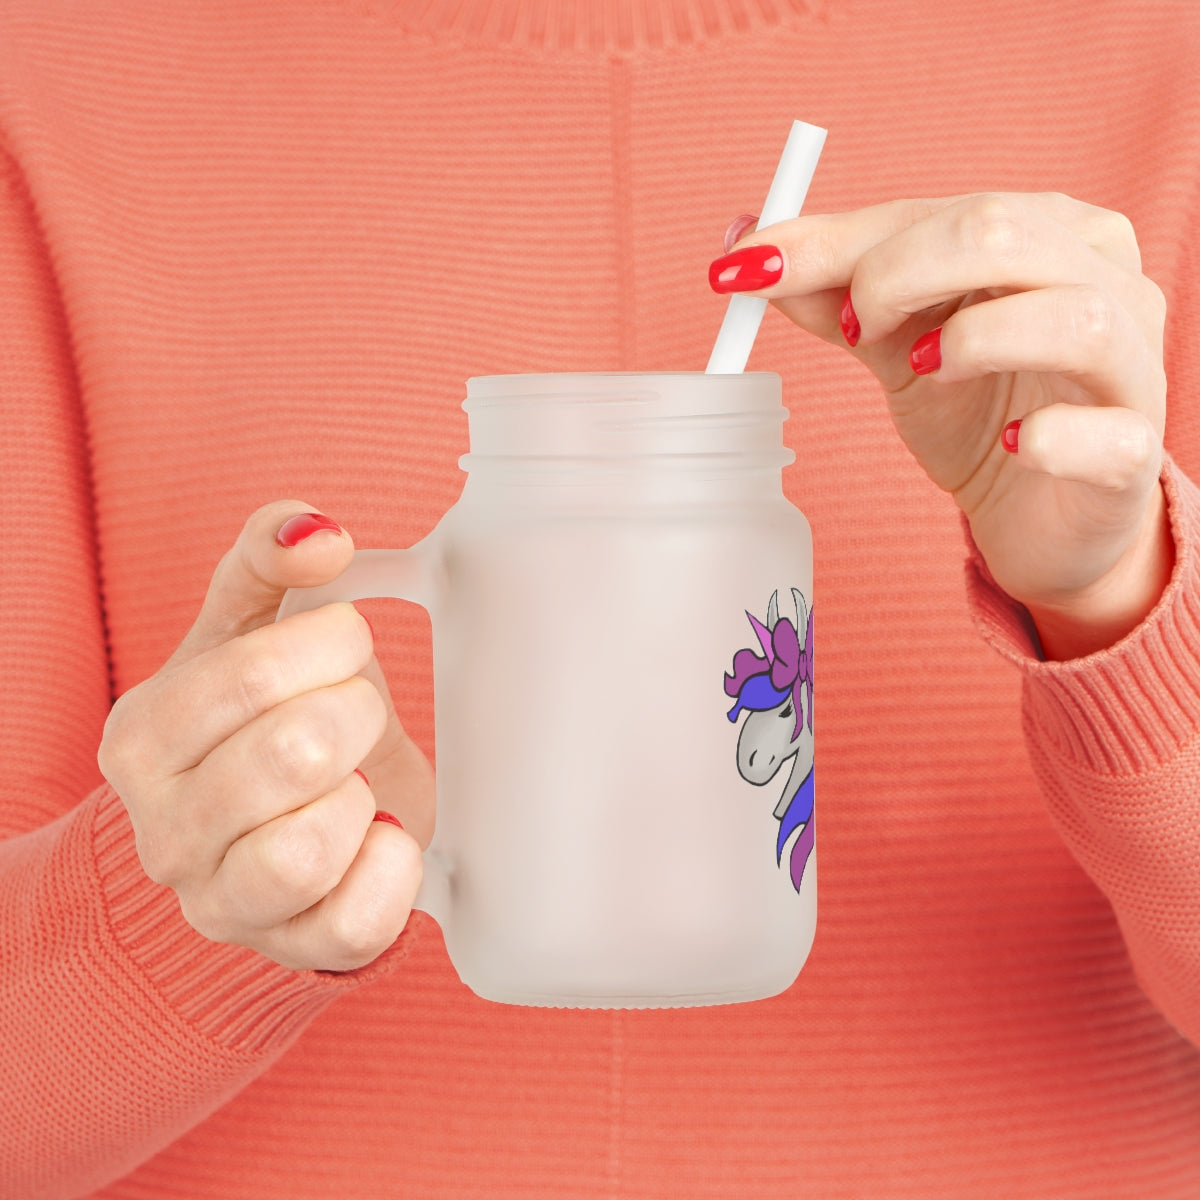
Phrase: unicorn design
(776, 689)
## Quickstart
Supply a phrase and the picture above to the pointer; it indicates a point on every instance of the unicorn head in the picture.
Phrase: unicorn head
(776, 689)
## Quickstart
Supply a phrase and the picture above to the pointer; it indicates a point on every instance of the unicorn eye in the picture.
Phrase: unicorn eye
(786, 711)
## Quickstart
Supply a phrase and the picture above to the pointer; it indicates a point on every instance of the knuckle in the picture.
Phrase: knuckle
(1117, 229)
(298, 751)
(1059, 206)
(1141, 446)
(160, 857)
(994, 226)
(121, 751)
(1090, 318)
(1127, 451)
(1112, 234)
(360, 934)
(113, 752)
(258, 679)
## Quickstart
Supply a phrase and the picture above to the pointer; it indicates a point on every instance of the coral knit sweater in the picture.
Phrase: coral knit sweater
(253, 250)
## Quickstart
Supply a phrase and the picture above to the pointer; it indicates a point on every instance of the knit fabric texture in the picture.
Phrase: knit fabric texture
(253, 251)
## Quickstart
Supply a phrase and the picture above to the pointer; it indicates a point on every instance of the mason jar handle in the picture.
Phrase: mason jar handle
(398, 574)
(388, 574)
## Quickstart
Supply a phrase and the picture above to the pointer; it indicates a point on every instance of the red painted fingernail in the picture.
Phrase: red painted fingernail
(737, 227)
(746, 270)
(380, 815)
(851, 330)
(362, 777)
(926, 353)
(1009, 436)
(295, 529)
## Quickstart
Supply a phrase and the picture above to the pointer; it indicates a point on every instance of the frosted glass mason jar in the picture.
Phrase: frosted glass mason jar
(621, 602)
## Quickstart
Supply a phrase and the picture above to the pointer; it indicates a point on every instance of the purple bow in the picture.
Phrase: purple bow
(785, 666)
(791, 666)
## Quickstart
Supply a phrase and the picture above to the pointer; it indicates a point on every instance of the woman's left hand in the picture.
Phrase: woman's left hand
(979, 312)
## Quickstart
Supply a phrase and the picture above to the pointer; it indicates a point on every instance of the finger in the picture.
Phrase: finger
(278, 763)
(400, 774)
(1077, 332)
(286, 865)
(250, 580)
(1113, 450)
(183, 714)
(978, 244)
(821, 251)
(363, 915)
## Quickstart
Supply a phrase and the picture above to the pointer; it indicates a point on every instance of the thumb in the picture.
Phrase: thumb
(283, 545)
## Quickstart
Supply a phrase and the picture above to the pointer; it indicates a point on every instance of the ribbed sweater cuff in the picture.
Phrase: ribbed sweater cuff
(1126, 709)
(233, 996)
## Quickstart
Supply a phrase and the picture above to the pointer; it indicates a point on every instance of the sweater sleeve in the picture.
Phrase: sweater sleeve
(1114, 739)
(120, 1027)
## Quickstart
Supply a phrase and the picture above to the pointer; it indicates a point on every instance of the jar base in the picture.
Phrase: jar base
(762, 991)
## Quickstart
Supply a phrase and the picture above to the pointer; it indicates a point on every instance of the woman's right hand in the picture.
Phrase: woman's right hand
(237, 762)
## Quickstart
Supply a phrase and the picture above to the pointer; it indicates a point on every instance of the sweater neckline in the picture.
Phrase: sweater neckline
(615, 26)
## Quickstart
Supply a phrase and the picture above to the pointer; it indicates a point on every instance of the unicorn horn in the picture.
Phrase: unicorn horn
(801, 612)
(763, 634)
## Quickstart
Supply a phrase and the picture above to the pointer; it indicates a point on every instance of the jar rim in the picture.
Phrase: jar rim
(572, 385)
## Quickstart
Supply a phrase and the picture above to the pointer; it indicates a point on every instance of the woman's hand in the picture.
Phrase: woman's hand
(1020, 350)
(237, 762)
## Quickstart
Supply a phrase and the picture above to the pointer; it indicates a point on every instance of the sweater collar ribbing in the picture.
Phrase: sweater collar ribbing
(616, 26)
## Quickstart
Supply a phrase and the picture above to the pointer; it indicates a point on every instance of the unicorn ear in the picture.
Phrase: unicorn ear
(773, 611)
(801, 612)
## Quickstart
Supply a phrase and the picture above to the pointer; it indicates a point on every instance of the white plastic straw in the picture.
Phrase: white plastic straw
(788, 189)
